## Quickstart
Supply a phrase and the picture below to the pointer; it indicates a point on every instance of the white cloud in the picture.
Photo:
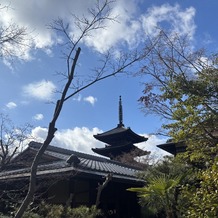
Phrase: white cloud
(90, 99)
(171, 17)
(78, 139)
(11, 105)
(35, 15)
(128, 31)
(38, 117)
(42, 90)
(151, 145)
(125, 31)
(82, 140)
(39, 133)
(204, 62)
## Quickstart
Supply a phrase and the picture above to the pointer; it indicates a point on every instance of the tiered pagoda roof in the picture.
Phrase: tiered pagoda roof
(119, 140)
(118, 135)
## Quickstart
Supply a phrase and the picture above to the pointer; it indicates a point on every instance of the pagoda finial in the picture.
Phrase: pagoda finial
(120, 113)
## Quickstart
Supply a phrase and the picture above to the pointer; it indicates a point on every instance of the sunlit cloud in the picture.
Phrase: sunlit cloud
(128, 28)
(171, 18)
(92, 100)
(78, 139)
(30, 14)
(81, 139)
(42, 90)
(151, 145)
(125, 30)
(11, 105)
(38, 117)
(39, 133)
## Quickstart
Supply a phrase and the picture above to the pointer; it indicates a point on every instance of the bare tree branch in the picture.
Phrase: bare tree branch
(109, 67)
(51, 131)
(14, 40)
(12, 139)
(101, 187)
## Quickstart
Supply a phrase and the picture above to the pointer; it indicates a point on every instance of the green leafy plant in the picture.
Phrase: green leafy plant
(59, 211)
(83, 212)
(201, 200)
(159, 194)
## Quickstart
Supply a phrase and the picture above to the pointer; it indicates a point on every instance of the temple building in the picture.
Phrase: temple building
(119, 140)
(172, 147)
(75, 178)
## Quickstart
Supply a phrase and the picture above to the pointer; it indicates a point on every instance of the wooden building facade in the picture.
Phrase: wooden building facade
(69, 177)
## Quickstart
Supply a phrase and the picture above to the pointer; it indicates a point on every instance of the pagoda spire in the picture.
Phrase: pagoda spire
(119, 140)
(120, 113)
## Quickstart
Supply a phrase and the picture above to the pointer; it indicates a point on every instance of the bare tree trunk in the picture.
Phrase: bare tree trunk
(101, 12)
(32, 183)
(51, 131)
(101, 187)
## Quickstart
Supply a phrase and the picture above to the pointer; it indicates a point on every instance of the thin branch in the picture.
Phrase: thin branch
(51, 131)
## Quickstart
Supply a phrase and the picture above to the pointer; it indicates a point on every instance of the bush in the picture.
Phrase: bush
(58, 211)
(30, 214)
(83, 212)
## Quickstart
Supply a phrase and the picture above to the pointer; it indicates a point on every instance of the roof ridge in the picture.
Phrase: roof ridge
(52, 148)
(37, 145)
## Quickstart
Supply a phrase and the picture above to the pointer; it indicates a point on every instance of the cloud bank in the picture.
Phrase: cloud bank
(78, 139)
(82, 140)
(129, 30)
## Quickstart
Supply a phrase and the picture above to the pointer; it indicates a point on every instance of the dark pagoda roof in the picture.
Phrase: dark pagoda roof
(118, 134)
(173, 147)
(113, 151)
(119, 140)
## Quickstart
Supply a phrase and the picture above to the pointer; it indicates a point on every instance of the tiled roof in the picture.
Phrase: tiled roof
(118, 150)
(88, 164)
(120, 131)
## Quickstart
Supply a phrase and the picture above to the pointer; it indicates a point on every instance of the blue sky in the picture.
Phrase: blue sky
(29, 85)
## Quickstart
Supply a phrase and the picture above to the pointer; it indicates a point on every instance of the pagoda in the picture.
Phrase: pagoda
(119, 140)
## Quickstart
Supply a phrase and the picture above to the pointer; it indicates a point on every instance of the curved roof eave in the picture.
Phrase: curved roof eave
(119, 131)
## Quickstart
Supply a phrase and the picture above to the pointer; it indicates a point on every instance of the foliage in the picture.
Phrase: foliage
(184, 91)
(30, 214)
(163, 184)
(134, 159)
(109, 66)
(84, 212)
(201, 200)
(3, 216)
(159, 194)
(49, 211)
(169, 166)
(59, 211)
